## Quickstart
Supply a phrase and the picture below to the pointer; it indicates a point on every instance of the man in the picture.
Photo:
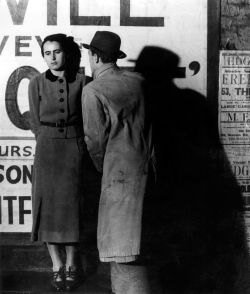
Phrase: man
(118, 137)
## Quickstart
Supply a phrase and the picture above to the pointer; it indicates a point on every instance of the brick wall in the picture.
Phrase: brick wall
(235, 24)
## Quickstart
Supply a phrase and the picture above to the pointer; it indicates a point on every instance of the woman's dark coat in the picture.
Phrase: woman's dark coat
(58, 165)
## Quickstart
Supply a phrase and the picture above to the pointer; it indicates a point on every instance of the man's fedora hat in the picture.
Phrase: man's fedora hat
(106, 42)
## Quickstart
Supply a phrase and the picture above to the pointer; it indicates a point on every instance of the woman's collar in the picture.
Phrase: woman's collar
(70, 77)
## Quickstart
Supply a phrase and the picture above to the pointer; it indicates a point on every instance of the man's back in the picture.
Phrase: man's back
(117, 96)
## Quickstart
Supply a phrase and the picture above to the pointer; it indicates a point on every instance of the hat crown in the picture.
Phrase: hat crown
(108, 43)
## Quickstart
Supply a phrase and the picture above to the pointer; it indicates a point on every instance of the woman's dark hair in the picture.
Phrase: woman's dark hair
(70, 48)
(60, 38)
(104, 58)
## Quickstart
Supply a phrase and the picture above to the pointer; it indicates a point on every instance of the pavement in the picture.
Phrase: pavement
(27, 282)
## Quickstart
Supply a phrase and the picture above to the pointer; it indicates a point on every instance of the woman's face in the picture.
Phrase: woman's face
(54, 55)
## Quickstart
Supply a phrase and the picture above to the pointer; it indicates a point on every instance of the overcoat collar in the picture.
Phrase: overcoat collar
(70, 77)
(104, 68)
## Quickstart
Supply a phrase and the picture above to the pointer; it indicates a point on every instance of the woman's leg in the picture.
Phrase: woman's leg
(54, 252)
(71, 274)
(58, 272)
(71, 260)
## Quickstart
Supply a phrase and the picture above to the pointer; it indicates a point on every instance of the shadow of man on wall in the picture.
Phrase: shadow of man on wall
(191, 219)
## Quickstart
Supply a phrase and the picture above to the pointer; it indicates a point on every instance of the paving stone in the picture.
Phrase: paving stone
(25, 258)
(39, 282)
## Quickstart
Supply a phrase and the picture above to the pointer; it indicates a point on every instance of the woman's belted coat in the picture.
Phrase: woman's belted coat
(59, 156)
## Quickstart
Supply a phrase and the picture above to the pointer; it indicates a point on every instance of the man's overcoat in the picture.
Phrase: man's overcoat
(118, 138)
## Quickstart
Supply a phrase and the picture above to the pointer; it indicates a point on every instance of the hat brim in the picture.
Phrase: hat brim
(119, 54)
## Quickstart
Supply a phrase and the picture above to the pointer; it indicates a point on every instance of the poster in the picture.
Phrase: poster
(180, 26)
(234, 121)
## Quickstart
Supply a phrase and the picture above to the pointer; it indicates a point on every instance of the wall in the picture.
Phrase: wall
(234, 95)
(180, 26)
(235, 24)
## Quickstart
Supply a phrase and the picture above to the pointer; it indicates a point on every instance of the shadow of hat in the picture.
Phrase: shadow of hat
(154, 61)
(107, 43)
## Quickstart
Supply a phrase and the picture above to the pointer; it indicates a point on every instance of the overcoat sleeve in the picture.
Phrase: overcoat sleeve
(34, 102)
(96, 123)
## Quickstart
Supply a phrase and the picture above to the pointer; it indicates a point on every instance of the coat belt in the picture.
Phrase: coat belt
(60, 124)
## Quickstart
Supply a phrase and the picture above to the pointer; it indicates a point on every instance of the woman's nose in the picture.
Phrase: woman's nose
(53, 56)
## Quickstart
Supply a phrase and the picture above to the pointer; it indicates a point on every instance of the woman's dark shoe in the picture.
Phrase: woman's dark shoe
(71, 279)
(59, 285)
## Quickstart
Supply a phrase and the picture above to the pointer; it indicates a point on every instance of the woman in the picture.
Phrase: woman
(56, 121)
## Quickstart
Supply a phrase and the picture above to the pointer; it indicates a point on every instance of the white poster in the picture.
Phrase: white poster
(180, 26)
(234, 120)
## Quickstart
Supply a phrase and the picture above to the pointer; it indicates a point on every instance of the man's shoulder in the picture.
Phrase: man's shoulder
(120, 71)
(109, 77)
(120, 74)
(133, 74)
(92, 86)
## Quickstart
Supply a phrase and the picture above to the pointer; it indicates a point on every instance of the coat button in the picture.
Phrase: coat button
(61, 130)
(61, 80)
(62, 110)
(61, 91)
(61, 99)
